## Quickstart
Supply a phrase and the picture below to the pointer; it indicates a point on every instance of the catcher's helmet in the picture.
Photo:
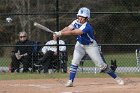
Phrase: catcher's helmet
(84, 12)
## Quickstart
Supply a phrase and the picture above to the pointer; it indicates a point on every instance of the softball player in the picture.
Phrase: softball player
(86, 43)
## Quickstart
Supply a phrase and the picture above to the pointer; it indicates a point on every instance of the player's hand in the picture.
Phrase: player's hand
(58, 34)
(18, 56)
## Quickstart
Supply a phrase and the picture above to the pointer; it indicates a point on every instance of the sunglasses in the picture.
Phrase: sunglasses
(22, 36)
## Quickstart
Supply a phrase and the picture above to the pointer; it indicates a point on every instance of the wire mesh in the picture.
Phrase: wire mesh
(115, 22)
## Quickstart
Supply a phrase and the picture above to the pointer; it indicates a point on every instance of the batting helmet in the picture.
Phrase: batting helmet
(84, 12)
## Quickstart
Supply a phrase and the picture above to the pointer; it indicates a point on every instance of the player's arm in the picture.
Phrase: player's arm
(69, 27)
(66, 29)
(72, 32)
(69, 32)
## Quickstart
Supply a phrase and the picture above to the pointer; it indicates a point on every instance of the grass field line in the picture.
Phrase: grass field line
(93, 69)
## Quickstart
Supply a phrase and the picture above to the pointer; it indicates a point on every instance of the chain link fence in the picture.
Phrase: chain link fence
(116, 25)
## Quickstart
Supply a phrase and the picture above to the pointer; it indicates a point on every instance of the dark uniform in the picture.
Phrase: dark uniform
(25, 60)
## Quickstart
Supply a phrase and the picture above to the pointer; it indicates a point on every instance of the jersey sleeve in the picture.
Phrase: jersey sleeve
(72, 24)
(84, 28)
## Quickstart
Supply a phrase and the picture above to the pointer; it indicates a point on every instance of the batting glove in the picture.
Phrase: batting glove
(58, 34)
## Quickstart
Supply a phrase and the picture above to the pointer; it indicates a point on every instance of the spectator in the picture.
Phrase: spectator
(50, 52)
(21, 54)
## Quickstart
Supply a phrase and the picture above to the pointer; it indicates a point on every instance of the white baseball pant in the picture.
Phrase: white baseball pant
(92, 50)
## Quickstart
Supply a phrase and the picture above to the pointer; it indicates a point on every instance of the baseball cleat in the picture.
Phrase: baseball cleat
(69, 83)
(119, 81)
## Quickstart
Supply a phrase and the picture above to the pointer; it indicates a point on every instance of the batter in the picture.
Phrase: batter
(86, 43)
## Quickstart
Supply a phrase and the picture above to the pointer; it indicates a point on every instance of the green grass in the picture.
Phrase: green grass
(5, 61)
(27, 76)
(123, 60)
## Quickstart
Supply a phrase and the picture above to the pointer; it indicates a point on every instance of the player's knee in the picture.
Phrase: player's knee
(75, 62)
(104, 68)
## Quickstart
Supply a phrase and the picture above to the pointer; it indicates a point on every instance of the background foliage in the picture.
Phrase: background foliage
(115, 21)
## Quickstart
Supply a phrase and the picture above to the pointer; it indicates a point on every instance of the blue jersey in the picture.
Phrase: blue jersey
(88, 34)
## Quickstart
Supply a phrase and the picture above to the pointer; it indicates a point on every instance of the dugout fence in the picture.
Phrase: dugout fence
(126, 60)
(116, 26)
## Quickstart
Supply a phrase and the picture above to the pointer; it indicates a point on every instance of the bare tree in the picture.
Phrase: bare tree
(23, 6)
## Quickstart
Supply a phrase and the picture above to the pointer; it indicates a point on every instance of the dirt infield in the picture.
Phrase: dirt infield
(81, 85)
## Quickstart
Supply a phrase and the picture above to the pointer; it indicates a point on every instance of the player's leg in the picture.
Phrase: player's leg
(46, 60)
(14, 64)
(77, 56)
(94, 54)
(26, 63)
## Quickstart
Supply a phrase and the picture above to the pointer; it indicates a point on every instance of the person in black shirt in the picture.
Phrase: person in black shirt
(21, 54)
